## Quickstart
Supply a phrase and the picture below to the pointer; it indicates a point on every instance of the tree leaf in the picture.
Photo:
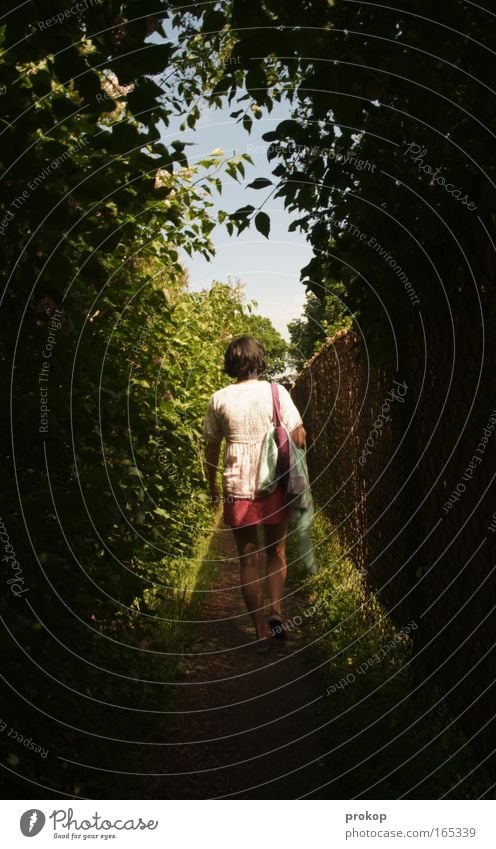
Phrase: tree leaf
(262, 223)
(242, 212)
(247, 123)
(260, 183)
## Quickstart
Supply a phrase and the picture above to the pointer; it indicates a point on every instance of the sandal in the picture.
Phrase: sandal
(263, 645)
(276, 625)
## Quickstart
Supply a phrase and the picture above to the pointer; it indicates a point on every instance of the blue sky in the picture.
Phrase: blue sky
(270, 269)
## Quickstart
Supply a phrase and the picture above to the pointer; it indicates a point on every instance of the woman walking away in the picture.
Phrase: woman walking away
(241, 413)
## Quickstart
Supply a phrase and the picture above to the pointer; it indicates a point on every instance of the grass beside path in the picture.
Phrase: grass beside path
(130, 707)
(384, 739)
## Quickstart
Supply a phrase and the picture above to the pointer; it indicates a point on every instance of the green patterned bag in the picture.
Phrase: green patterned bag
(267, 478)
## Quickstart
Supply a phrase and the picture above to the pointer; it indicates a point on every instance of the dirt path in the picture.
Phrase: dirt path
(244, 723)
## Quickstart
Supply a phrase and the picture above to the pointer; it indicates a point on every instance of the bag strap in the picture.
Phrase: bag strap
(281, 437)
(276, 405)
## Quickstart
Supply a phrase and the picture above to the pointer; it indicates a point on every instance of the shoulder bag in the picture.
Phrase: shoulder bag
(274, 461)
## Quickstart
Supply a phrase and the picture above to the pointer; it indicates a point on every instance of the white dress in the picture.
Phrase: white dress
(241, 413)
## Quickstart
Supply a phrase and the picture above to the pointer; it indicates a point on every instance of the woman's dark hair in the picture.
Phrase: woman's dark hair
(244, 357)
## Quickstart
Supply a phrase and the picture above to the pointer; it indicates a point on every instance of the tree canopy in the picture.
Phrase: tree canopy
(386, 155)
(321, 319)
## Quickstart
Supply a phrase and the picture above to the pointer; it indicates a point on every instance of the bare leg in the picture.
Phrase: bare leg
(275, 542)
(248, 549)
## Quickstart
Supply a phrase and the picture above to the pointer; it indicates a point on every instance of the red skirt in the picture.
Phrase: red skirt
(266, 510)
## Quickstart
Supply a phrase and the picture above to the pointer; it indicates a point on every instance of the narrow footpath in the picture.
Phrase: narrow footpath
(244, 724)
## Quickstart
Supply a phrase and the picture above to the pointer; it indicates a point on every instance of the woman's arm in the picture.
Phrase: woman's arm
(212, 453)
(299, 435)
(292, 418)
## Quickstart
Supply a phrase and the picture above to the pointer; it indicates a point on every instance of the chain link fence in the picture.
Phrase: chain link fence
(402, 460)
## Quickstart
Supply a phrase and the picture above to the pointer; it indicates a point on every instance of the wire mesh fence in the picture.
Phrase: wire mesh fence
(402, 460)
